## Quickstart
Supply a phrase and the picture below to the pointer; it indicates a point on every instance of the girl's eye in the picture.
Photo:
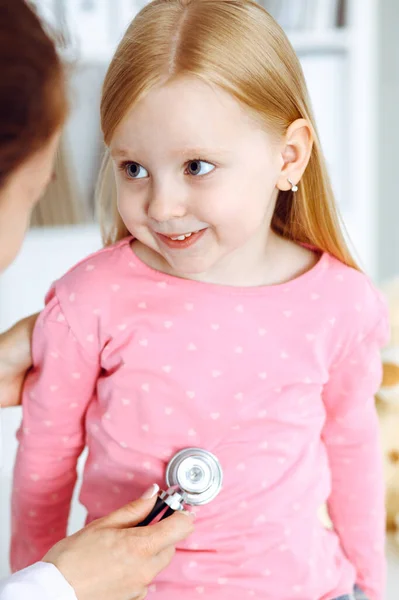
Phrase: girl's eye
(199, 167)
(134, 170)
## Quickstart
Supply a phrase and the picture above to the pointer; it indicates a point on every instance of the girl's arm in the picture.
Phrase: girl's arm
(52, 436)
(351, 434)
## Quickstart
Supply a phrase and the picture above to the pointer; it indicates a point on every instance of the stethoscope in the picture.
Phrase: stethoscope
(193, 477)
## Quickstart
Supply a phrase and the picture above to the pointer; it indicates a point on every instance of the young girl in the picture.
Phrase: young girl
(225, 312)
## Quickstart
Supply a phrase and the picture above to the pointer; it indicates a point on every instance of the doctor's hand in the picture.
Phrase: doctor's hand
(15, 360)
(111, 559)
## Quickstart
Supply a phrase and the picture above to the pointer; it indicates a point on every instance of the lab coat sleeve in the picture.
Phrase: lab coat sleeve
(41, 581)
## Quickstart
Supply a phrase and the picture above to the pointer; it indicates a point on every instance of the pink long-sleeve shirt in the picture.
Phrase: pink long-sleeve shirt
(277, 381)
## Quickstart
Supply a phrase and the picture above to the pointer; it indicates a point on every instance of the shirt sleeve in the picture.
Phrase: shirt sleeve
(351, 435)
(41, 581)
(57, 393)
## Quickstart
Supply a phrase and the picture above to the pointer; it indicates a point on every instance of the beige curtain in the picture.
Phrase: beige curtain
(62, 203)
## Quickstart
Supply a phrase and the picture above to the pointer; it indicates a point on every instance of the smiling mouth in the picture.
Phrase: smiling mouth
(181, 236)
(182, 240)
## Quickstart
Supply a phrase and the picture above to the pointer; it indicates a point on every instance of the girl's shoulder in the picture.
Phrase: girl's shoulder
(354, 301)
(350, 285)
(96, 272)
(338, 289)
(104, 259)
(87, 291)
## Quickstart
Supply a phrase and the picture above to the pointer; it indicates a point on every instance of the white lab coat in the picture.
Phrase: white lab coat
(41, 581)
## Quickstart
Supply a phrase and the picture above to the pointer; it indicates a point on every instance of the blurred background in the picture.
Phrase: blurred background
(349, 51)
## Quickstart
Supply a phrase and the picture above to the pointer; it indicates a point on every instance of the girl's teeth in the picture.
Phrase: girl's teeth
(183, 237)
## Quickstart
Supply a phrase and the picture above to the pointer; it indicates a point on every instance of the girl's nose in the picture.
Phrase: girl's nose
(165, 204)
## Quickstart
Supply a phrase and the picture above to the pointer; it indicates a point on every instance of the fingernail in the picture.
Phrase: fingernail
(188, 513)
(151, 492)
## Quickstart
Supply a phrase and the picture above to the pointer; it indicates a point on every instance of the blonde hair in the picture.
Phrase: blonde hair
(237, 45)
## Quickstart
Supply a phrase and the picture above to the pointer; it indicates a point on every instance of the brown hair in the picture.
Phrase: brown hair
(33, 102)
(238, 46)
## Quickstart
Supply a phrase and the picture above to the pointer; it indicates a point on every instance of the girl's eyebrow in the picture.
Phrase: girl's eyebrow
(197, 151)
(190, 152)
(121, 152)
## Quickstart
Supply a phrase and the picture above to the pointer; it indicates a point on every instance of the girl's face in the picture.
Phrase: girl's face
(196, 180)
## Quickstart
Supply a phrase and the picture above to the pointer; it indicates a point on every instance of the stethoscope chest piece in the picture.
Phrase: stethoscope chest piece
(198, 473)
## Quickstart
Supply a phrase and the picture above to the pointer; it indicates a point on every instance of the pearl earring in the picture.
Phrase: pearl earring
(294, 187)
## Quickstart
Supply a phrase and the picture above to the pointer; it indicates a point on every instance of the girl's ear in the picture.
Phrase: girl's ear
(297, 147)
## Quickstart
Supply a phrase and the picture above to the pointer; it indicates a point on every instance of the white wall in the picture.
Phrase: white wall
(388, 115)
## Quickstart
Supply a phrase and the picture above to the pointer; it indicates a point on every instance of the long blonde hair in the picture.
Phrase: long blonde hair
(237, 45)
